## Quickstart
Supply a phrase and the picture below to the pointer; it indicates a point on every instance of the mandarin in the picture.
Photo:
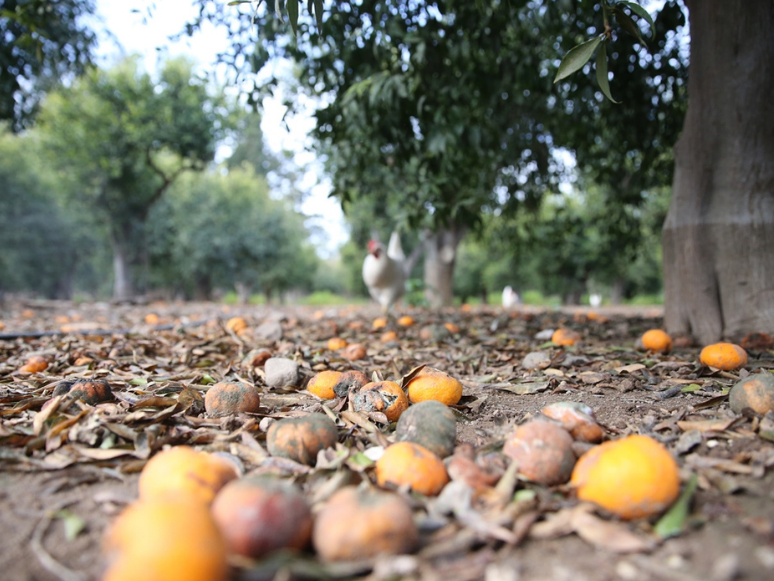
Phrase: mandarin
(322, 384)
(725, 356)
(407, 463)
(657, 341)
(431, 383)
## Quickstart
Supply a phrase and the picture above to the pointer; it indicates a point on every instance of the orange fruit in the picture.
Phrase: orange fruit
(91, 391)
(236, 324)
(35, 364)
(165, 540)
(543, 452)
(379, 323)
(751, 341)
(725, 356)
(362, 523)
(354, 351)
(406, 321)
(657, 340)
(466, 308)
(382, 396)
(407, 463)
(350, 381)
(632, 477)
(2, 325)
(226, 398)
(576, 418)
(322, 384)
(301, 439)
(388, 336)
(260, 514)
(150, 319)
(565, 337)
(183, 472)
(755, 392)
(430, 424)
(431, 383)
(452, 328)
(336, 343)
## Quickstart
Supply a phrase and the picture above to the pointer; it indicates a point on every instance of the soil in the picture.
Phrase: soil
(62, 484)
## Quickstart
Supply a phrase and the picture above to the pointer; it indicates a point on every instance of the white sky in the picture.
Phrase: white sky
(135, 32)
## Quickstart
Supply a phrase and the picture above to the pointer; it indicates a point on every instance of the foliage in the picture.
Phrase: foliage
(128, 137)
(220, 231)
(42, 42)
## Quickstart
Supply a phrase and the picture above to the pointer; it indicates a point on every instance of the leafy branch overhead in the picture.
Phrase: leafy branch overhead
(580, 54)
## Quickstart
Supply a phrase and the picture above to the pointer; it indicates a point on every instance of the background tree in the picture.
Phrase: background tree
(42, 42)
(129, 137)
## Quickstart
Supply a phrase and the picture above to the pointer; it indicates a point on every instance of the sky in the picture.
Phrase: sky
(136, 32)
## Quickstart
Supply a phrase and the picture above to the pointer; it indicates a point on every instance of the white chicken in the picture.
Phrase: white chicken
(385, 271)
(510, 298)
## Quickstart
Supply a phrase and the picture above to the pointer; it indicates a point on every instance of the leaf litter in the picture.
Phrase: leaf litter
(159, 375)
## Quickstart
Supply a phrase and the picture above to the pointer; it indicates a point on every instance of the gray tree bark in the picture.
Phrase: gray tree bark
(718, 236)
(123, 287)
(440, 256)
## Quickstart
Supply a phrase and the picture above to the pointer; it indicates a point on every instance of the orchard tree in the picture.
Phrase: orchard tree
(129, 137)
(42, 41)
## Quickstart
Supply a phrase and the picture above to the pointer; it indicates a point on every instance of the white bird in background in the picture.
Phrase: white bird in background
(510, 298)
(385, 271)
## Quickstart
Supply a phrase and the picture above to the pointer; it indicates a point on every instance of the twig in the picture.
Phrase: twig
(46, 560)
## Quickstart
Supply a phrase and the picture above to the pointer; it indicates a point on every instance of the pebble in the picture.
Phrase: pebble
(281, 372)
(269, 331)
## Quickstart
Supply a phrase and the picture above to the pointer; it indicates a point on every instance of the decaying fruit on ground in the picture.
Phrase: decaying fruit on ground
(336, 343)
(430, 383)
(91, 391)
(226, 398)
(430, 424)
(406, 321)
(632, 477)
(260, 514)
(577, 418)
(165, 540)
(480, 473)
(349, 382)
(657, 341)
(236, 324)
(322, 384)
(755, 392)
(543, 451)
(725, 356)
(354, 352)
(409, 464)
(386, 397)
(300, 439)
(565, 337)
(379, 323)
(389, 336)
(757, 342)
(256, 358)
(34, 364)
(361, 523)
(184, 472)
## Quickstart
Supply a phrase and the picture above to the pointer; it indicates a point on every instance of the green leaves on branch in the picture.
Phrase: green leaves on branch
(291, 7)
(577, 57)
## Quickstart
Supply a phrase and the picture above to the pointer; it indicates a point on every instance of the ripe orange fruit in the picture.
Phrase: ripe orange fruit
(150, 319)
(165, 540)
(543, 451)
(406, 321)
(35, 364)
(322, 384)
(565, 337)
(382, 396)
(226, 398)
(755, 392)
(361, 523)
(632, 477)
(183, 472)
(379, 323)
(407, 463)
(354, 351)
(725, 356)
(452, 328)
(431, 383)
(336, 343)
(260, 514)
(236, 324)
(657, 341)
(388, 336)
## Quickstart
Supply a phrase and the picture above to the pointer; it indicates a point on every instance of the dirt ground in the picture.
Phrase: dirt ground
(60, 488)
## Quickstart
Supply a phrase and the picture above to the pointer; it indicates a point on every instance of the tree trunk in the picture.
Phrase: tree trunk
(244, 291)
(719, 232)
(617, 291)
(123, 289)
(440, 256)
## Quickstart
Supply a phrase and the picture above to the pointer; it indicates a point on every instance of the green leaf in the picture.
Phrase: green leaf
(602, 80)
(691, 387)
(642, 13)
(628, 24)
(138, 381)
(278, 9)
(318, 12)
(577, 57)
(73, 524)
(673, 522)
(293, 15)
(235, 2)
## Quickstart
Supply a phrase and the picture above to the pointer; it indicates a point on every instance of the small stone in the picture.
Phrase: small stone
(269, 331)
(536, 360)
(545, 335)
(281, 372)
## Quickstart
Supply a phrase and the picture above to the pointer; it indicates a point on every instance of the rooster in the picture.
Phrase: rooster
(385, 271)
